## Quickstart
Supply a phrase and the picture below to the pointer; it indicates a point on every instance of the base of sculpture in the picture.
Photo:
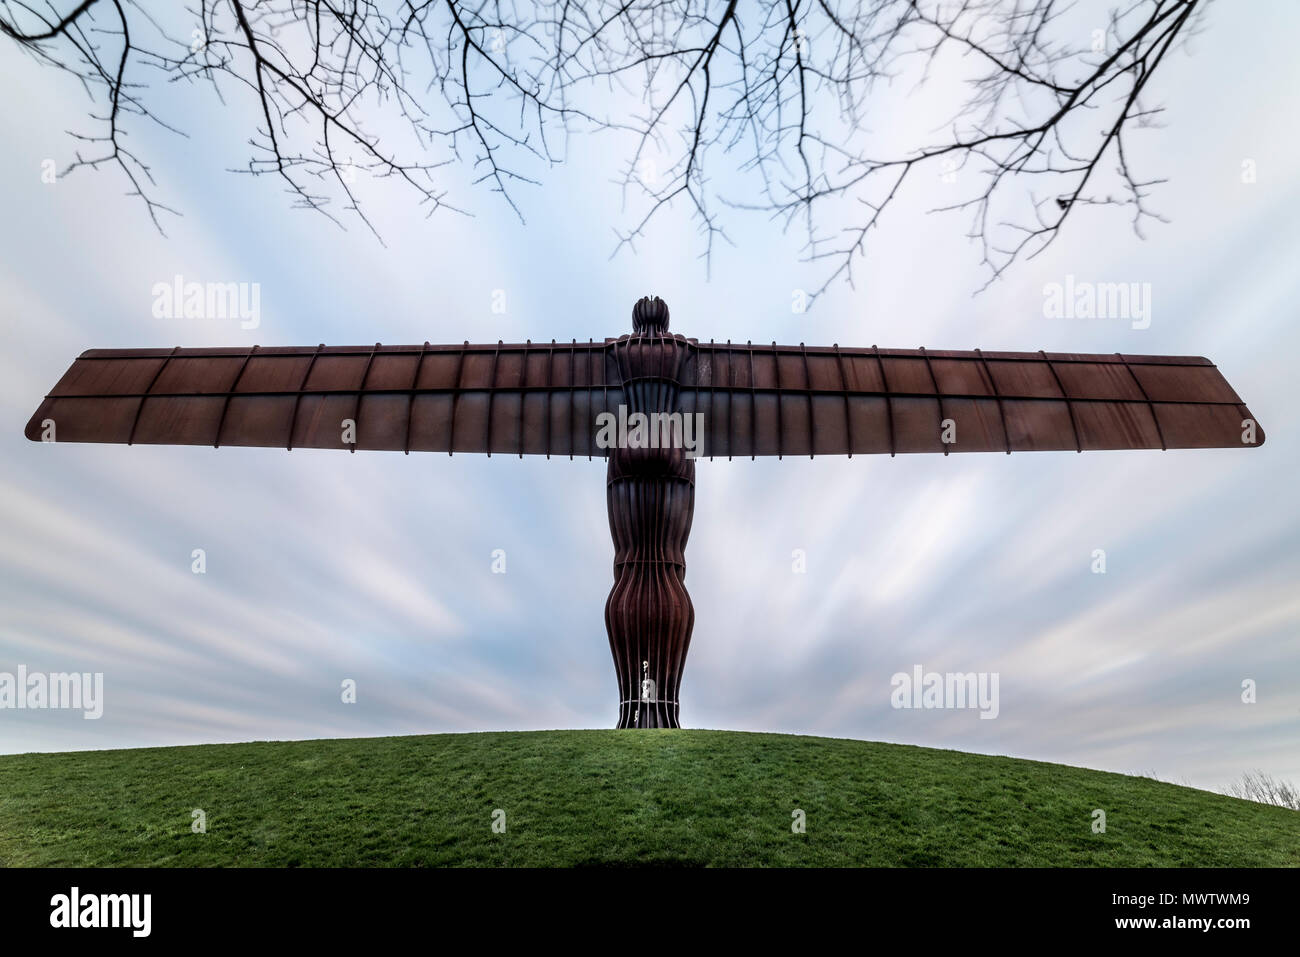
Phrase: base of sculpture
(649, 714)
(649, 615)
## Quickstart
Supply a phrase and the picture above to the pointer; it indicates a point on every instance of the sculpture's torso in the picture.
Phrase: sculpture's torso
(651, 498)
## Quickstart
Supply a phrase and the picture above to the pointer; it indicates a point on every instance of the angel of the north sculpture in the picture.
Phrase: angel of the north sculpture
(650, 403)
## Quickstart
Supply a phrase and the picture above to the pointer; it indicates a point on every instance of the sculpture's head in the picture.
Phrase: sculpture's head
(650, 316)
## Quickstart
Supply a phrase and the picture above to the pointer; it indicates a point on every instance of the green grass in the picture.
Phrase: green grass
(610, 797)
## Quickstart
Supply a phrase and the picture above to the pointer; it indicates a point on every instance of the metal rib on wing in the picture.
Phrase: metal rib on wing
(531, 398)
(805, 400)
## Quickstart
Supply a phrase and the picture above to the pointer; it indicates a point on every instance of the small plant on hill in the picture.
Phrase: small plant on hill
(1266, 789)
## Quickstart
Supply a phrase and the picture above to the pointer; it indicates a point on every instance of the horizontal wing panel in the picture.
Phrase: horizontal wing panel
(797, 400)
(508, 399)
(544, 399)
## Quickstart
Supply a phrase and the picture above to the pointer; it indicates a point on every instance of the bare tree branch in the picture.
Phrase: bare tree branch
(791, 98)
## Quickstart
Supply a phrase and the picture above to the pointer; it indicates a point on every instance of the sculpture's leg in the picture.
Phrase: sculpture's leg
(651, 497)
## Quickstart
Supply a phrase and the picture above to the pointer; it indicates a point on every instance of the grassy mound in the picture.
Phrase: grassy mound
(610, 797)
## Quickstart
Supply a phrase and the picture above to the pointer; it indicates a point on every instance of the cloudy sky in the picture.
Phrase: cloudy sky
(377, 567)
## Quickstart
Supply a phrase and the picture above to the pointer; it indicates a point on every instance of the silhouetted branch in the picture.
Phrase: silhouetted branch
(792, 96)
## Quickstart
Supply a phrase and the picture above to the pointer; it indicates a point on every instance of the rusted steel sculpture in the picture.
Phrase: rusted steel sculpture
(560, 399)
(651, 497)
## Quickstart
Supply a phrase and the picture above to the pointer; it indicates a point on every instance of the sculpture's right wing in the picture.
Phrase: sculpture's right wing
(531, 398)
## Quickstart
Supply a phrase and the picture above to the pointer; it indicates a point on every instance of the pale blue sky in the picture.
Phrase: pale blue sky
(377, 567)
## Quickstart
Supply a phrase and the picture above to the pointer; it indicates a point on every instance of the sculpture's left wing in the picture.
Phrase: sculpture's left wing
(797, 400)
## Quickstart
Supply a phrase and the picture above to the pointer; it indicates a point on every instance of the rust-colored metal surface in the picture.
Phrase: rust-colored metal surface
(525, 399)
(651, 496)
(547, 399)
(797, 400)
(544, 399)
